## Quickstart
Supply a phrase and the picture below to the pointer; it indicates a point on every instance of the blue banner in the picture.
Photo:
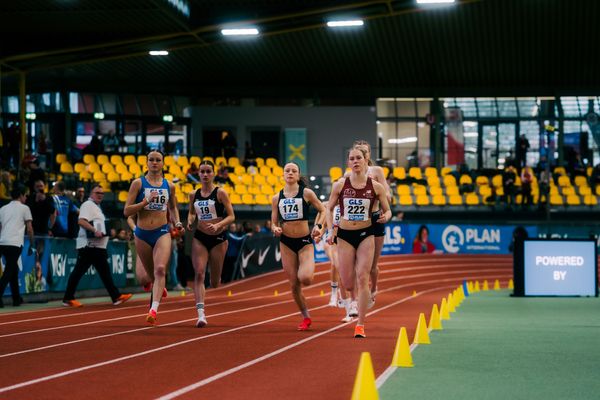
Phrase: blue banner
(295, 148)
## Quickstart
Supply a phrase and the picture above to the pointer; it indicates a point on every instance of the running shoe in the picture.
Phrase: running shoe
(347, 318)
(72, 303)
(151, 318)
(201, 323)
(122, 299)
(341, 303)
(371, 300)
(359, 331)
(333, 301)
(353, 309)
(305, 324)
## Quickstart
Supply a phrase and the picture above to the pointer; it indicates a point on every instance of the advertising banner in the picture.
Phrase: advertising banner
(295, 147)
(259, 254)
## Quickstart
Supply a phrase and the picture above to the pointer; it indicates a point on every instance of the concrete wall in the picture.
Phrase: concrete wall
(330, 130)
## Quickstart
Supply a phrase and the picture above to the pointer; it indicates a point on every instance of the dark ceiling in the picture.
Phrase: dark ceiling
(474, 47)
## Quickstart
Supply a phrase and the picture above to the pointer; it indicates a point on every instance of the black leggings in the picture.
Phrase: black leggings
(11, 271)
(86, 257)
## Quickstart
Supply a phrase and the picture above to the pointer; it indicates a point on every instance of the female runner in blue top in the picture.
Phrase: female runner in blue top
(150, 197)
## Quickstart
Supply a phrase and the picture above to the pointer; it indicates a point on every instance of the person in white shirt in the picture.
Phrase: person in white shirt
(15, 217)
(91, 250)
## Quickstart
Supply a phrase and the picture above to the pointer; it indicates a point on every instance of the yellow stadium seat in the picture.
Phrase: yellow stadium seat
(129, 159)
(88, 159)
(580, 180)
(415, 172)
(85, 176)
(102, 159)
(220, 161)
(583, 190)
(248, 199)
(590, 200)
(455, 200)
(386, 171)
(451, 190)
(247, 179)
(260, 161)
(79, 167)
(419, 190)
(126, 176)
(142, 159)
(485, 191)
(208, 158)
(497, 180)
(239, 170)
(449, 180)
(93, 167)
(181, 198)
(241, 189)
(482, 181)
(403, 190)
(135, 170)
(264, 170)
(597, 190)
(271, 162)
(112, 176)
(105, 185)
(431, 171)
(106, 168)
(262, 199)
(553, 190)
(195, 159)
(568, 191)
(435, 190)
(233, 161)
(399, 173)
(272, 180)
(99, 176)
(573, 200)
(559, 171)
(169, 160)
(472, 199)
(61, 158)
(277, 171)
(438, 200)
(405, 200)
(259, 180)
(253, 189)
(422, 200)
(66, 168)
(445, 171)
(122, 196)
(563, 181)
(267, 189)
(556, 200)
(433, 181)
(235, 199)
(465, 180)
(182, 161)
(116, 159)
(121, 168)
(335, 173)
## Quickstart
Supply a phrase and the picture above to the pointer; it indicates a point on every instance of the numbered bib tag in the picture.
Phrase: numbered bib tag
(356, 209)
(205, 209)
(159, 203)
(291, 209)
(336, 215)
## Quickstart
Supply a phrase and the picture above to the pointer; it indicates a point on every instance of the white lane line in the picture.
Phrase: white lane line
(135, 355)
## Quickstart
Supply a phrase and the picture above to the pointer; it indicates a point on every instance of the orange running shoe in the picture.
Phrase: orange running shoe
(359, 331)
(305, 324)
(151, 318)
(122, 299)
(72, 303)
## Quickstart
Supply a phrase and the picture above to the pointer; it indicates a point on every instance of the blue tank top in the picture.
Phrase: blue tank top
(161, 201)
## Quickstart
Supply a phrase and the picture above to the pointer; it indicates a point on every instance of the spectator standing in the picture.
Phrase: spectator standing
(526, 182)
(508, 183)
(228, 144)
(235, 240)
(91, 250)
(15, 217)
(64, 208)
(79, 196)
(35, 173)
(521, 151)
(111, 142)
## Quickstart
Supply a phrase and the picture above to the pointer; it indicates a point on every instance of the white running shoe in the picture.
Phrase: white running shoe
(341, 303)
(201, 323)
(347, 318)
(353, 309)
(333, 301)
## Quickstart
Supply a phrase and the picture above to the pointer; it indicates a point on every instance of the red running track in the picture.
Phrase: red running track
(250, 349)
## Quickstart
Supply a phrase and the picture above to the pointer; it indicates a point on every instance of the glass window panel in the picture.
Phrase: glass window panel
(448, 102)
(570, 106)
(470, 133)
(531, 130)
(487, 107)
(130, 106)
(86, 103)
(467, 105)
(506, 142)
(84, 131)
(423, 107)
(423, 135)
(406, 107)
(155, 136)
(109, 103)
(528, 107)
(12, 105)
(386, 107)
(105, 126)
(507, 107)
(147, 105)
(133, 136)
(177, 139)
(182, 107)
(387, 131)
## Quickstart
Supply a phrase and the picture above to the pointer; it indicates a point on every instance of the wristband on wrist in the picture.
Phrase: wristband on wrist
(320, 226)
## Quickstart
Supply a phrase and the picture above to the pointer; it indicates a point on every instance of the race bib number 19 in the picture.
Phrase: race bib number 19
(206, 210)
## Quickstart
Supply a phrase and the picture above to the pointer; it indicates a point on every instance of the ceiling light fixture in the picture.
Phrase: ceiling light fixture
(158, 53)
(435, 1)
(240, 32)
(345, 23)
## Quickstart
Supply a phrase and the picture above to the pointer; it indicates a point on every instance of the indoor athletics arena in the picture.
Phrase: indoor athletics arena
(317, 199)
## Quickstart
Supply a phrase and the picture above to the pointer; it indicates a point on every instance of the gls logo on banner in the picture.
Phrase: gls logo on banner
(118, 263)
(473, 239)
(59, 264)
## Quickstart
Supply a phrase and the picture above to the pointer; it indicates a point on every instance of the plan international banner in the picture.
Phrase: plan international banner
(295, 148)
